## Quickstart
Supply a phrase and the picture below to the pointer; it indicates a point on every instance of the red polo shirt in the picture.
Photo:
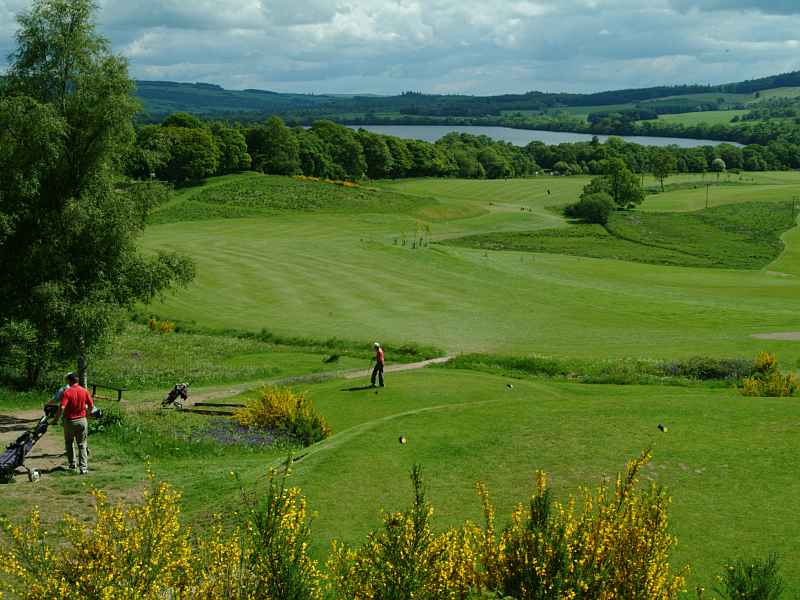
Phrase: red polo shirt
(74, 402)
(379, 355)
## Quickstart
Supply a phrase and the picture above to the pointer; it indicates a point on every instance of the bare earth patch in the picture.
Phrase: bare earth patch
(780, 335)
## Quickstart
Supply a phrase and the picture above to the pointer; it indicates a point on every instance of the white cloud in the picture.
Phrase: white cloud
(471, 46)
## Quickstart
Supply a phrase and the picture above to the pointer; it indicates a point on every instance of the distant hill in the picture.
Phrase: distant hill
(161, 98)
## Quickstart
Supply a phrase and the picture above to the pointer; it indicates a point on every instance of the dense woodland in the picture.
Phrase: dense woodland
(184, 148)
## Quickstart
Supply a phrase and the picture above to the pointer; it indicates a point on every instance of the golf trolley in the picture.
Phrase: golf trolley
(14, 456)
(177, 396)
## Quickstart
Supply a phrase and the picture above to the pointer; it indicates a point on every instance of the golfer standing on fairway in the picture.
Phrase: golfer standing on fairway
(378, 370)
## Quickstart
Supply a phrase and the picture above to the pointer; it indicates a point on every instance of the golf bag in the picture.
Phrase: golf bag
(14, 456)
(177, 395)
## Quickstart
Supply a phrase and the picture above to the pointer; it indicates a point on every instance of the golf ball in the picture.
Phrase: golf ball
(402, 439)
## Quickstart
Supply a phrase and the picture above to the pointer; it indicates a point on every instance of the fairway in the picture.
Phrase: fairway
(348, 275)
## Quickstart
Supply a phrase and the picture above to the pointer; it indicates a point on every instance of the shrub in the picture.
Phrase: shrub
(405, 559)
(592, 208)
(281, 409)
(142, 551)
(160, 326)
(112, 417)
(767, 380)
(613, 543)
(708, 368)
(138, 551)
(751, 580)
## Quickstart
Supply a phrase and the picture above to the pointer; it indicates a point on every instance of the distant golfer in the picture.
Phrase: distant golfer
(378, 370)
(74, 403)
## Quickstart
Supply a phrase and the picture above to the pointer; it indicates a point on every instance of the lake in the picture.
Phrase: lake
(522, 137)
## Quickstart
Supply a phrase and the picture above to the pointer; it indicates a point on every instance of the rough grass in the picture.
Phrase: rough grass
(626, 371)
(143, 359)
(740, 236)
(253, 194)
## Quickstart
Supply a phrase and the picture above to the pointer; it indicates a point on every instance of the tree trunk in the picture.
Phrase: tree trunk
(82, 370)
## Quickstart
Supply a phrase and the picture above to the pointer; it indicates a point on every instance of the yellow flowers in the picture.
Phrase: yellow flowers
(343, 183)
(160, 326)
(406, 559)
(767, 380)
(609, 543)
(142, 551)
(615, 546)
(279, 408)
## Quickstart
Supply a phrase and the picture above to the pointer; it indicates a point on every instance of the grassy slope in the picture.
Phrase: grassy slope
(724, 458)
(743, 236)
(348, 276)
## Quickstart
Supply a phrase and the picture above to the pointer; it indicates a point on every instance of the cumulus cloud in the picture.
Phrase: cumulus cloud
(448, 46)
(770, 7)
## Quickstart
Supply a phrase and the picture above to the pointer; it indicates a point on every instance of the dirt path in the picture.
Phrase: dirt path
(47, 454)
(233, 390)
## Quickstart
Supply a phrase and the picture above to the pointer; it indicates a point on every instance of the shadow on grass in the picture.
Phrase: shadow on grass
(357, 388)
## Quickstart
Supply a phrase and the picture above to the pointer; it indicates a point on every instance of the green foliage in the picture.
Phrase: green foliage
(754, 579)
(67, 230)
(591, 208)
(193, 154)
(622, 185)
(182, 119)
(274, 148)
(738, 236)
(664, 163)
(377, 154)
(344, 149)
(232, 145)
(112, 417)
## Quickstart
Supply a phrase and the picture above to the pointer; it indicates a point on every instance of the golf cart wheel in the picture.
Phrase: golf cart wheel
(33, 475)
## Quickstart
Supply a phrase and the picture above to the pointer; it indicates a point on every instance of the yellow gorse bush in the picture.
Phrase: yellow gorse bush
(135, 551)
(141, 551)
(406, 559)
(767, 380)
(280, 408)
(160, 326)
(612, 542)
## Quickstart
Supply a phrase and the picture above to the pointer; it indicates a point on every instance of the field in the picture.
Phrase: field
(291, 273)
(711, 117)
(731, 236)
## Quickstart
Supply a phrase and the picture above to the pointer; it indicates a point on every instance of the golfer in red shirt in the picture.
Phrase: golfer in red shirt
(74, 403)
(378, 370)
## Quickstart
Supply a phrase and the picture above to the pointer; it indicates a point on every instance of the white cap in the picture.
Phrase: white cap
(377, 345)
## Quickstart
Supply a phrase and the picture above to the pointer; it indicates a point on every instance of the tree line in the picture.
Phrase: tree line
(184, 148)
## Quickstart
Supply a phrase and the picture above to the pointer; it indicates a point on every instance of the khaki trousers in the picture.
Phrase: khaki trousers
(75, 431)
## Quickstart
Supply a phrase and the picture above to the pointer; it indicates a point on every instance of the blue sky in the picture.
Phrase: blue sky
(446, 46)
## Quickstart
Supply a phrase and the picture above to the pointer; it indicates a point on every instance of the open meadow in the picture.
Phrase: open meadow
(296, 278)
